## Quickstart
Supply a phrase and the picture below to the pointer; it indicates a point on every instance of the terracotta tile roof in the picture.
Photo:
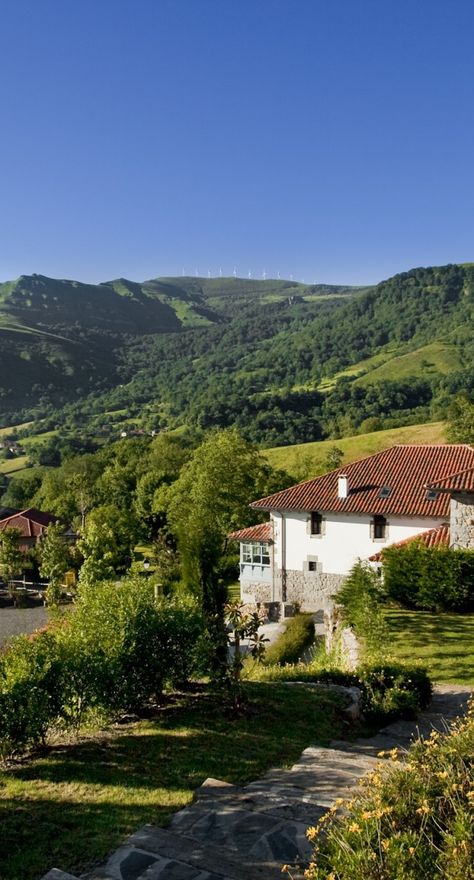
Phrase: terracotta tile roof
(31, 521)
(439, 537)
(262, 532)
(403, 470)
(461, 481)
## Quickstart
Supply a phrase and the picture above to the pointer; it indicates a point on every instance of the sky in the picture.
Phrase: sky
(327, 140)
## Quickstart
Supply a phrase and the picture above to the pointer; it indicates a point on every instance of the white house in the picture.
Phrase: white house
(318, 529)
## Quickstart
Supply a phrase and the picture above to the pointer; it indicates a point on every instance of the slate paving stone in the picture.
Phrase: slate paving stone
(232, 833)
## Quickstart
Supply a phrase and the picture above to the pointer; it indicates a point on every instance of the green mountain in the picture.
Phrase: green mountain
(284, 362)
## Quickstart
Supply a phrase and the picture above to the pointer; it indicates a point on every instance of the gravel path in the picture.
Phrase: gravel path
(14, 621)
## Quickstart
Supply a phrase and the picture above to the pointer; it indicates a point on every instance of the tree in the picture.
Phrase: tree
(209, 499)
(461, 421)
(333, 458)
(55, 559)
(11, 558)
(106, 543)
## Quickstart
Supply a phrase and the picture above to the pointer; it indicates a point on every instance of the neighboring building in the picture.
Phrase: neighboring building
(318, 529)
(32, 523)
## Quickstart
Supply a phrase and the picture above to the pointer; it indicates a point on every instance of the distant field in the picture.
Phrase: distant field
(438, 357)
(394, 363)
(308, 459)
(12, 465)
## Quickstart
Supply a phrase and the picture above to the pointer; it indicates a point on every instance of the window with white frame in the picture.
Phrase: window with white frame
(256, 553)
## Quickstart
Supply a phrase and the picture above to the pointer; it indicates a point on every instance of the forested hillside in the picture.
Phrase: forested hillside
(285, 363)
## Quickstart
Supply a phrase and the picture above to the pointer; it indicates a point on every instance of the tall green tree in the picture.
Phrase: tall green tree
(54, 560)
(209, 499)
(461, 421)
(12, 560)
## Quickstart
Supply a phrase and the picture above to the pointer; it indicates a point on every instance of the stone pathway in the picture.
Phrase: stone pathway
(247, 833)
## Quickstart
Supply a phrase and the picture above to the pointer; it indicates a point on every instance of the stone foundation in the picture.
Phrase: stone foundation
(461, 524)
(310, 590)
(255, 592)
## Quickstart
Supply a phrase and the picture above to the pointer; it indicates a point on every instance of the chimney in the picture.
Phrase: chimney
(342, 486)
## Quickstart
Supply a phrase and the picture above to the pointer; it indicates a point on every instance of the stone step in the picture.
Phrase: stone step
(262, 835)
(56, 874)
(154, 853)
(289, 808)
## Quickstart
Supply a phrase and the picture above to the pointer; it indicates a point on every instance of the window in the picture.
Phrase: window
(312, 566)
(379, 528)
(316, 524)
(256, 553)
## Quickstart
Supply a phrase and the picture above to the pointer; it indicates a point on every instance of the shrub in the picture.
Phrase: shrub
(30, 692)
(292, 643)
(359, 598)
(388, 691)
(429, 578)
(411, 821)
(122, 646)
(394, 690)
(116, 651)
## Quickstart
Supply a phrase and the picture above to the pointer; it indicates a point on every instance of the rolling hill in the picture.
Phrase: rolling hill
(283, 362)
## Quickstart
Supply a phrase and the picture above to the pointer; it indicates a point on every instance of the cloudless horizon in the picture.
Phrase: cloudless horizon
(328, 141)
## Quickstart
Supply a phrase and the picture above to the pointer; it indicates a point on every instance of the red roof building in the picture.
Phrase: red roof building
(319, 528)
(31, 522)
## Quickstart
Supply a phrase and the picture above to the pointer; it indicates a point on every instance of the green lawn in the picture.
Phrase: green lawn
(443, 642)
(75, 804)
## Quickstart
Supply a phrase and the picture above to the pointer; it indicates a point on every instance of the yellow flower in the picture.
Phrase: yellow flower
(385, 844)
(355, 827)
(367, 814)
(411, 850)
(312, 832)
(424, 809)
(443, 774)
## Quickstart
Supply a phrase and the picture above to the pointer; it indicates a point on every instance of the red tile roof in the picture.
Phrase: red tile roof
(262, 532)
(404, 470)
(439, 537)
(31, 521)
(462, 481)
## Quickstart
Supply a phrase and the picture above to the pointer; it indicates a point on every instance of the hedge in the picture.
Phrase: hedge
(292, 643)
(429, 578)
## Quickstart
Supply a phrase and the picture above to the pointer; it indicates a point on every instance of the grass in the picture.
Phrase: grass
(72, 806)
(395, 362)
(308, 459)
(444, 643)
(11, 465)
(438, 357)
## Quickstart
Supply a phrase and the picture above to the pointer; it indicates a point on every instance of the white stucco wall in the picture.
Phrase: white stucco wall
(345, 539)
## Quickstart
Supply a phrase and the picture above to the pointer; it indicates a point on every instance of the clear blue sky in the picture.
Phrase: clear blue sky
(328, 139)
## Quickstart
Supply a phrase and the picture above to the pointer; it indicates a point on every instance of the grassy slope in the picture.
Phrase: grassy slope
(443, 642)
(394, 362)
(307, 459)
(71, 807)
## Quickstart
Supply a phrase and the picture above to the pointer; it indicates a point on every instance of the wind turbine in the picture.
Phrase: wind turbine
(264, 275)
(234, 273)
(250, 274)
(220, 271)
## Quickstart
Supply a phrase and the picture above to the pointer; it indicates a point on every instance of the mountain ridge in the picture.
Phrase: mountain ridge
(261, 355)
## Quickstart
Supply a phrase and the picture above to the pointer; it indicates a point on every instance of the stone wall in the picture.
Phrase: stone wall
(254, 591)
(462, 520)
(310, 590)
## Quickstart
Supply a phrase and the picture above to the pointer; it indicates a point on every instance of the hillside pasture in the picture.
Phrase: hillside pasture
(308, 459)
